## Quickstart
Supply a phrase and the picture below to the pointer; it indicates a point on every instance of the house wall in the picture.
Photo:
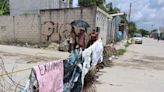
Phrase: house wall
(53, 25)
(102, 24)
(6, 29)
(108, 26)
(19, 29)
(27, 28)
(62, 18)
(19, 7)
(125, 33)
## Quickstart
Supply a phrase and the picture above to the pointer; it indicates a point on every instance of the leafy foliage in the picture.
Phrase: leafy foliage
(4, 7)
(144, 32)
(132, 28)
(154, 30)
(87, 3)
(124, 18)
(120, 52)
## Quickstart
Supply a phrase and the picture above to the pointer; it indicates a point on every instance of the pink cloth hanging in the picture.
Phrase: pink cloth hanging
(50, 76)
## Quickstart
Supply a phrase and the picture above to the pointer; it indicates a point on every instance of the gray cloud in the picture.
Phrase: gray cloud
(144, 12)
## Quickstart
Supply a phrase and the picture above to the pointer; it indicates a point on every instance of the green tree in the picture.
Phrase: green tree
(124, 18)
(4, 7)
(100, 2)
(154, 30)
(132, 28)
(144, 32)
(109, 6)
(110, 9)
(87, 3)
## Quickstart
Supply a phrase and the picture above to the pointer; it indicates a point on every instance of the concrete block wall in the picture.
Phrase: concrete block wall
(6, 29)
(53, 25)
(104, 23)
(62, 17)
(19, 29)
(108, 26)
(27, 29)
(112, 35)
(109, 32)
(94, 16)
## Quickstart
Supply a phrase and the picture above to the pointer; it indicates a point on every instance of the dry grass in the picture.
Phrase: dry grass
(89, 81)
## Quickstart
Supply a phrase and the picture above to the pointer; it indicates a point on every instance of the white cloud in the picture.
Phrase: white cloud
(144, 12)
(160, 2)
(162, 8)
(75, 3)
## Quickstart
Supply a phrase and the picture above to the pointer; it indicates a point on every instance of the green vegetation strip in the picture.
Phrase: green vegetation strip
(120, 52)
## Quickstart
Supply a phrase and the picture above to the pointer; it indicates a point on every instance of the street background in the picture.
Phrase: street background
(140, 69)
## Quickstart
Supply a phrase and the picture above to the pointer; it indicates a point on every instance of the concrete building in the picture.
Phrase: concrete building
(51, 25)
(97, 19)
(20, 7)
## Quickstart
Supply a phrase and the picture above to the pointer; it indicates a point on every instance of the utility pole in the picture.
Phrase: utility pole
(130, 9)
(129, 15)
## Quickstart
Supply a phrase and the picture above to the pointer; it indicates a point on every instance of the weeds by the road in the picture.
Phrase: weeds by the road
(120, 52)
(128, 44)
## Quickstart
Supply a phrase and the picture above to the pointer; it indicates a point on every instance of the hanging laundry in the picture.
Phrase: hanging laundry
(86, 57)
(91, 56)
(31, 84)
(72, 72)
(97, 49)
(50, 76)
(65, 75)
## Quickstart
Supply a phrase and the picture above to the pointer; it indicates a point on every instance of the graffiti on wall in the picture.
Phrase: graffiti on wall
(49, 28)
(59, 33)
(55, 32)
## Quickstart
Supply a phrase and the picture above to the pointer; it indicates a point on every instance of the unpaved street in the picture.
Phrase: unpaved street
(20, 59)
(141, 69)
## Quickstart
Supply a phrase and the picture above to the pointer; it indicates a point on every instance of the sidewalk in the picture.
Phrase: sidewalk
(140, 69)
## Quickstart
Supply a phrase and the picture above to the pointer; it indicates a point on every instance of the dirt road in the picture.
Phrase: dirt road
(141, 69)
(20, 58)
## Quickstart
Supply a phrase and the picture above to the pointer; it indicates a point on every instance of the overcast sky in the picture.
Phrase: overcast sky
(144, 12)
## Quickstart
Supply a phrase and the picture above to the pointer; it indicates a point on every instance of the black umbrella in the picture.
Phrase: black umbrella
(80, 23)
